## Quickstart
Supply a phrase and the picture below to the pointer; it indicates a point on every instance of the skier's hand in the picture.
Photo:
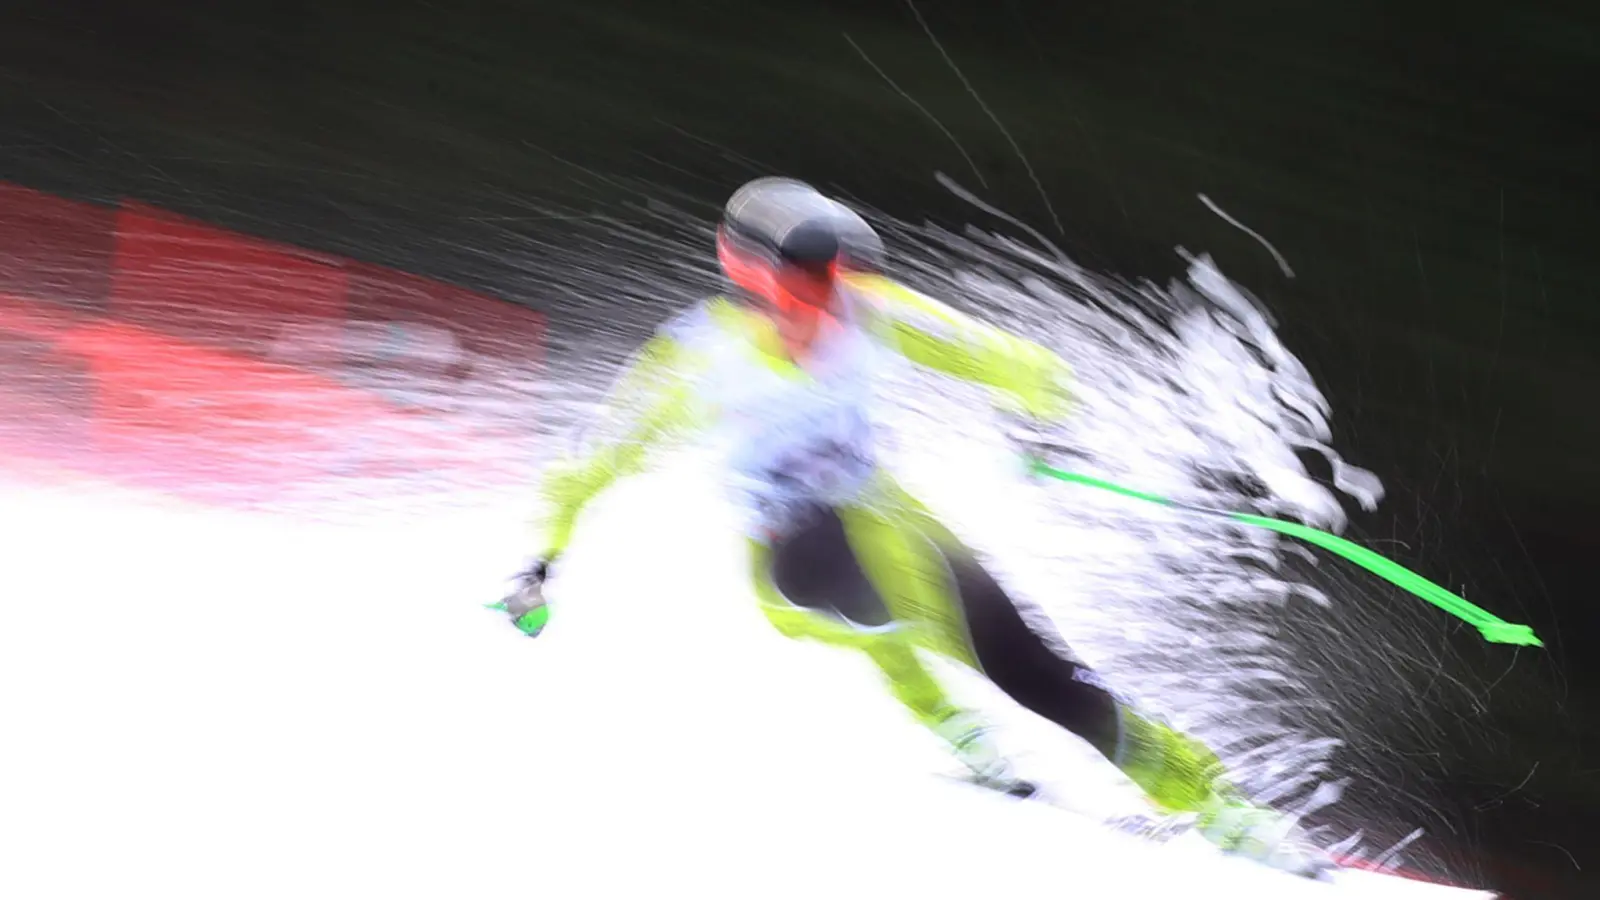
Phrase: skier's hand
(526, 605)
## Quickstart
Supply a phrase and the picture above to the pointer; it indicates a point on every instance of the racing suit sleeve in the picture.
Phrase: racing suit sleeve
(649, 405)
(1033, 378)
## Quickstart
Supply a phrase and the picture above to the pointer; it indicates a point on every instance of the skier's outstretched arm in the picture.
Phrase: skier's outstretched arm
(933, 335)
(650, 404)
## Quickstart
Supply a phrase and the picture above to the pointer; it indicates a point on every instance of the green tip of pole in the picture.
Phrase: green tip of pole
(1508, 633)
(534, 620)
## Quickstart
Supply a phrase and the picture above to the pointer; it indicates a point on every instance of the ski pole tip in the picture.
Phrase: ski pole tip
(1507, 633)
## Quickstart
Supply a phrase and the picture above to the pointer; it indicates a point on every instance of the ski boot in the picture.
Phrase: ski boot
(970, 741)
(1239, 827)
(1184, 779)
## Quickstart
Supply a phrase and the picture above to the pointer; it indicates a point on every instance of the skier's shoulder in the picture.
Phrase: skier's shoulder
(707, 319)
(717, 321)
(884, 301)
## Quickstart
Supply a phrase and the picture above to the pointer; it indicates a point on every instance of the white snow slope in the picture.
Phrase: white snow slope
(197, 704)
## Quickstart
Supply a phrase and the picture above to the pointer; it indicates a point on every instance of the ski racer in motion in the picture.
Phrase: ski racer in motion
(838, 551)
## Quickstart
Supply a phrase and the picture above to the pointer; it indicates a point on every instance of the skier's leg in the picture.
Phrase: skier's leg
(1030, 662)
(810, 584)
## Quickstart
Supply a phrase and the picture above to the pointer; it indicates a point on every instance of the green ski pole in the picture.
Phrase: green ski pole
(1492, 627)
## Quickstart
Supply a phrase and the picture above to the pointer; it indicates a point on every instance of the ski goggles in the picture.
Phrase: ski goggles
(793, 289)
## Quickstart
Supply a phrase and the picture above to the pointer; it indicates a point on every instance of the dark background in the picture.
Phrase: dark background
(1427, 169)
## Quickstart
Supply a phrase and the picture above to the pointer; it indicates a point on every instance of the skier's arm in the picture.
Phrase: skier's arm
(933, 335)
(656, 402)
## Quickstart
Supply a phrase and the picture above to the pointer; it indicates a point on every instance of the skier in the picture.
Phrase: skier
(838, 551)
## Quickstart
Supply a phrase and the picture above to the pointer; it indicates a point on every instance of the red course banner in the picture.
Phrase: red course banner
(164, 352)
